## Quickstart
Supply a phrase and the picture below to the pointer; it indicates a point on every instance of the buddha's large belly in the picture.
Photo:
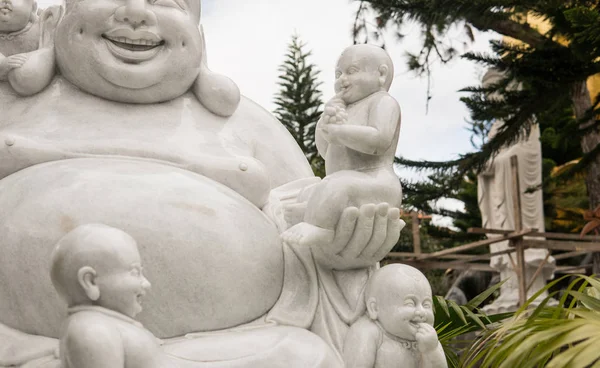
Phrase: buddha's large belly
(214, 260)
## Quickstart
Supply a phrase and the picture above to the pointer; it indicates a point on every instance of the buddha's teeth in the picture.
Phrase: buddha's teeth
(135, 42)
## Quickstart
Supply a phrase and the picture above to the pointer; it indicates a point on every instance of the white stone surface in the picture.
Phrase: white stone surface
(398, 326)
(357, 135)
(496, 198)
(136, 133)
(26, 42)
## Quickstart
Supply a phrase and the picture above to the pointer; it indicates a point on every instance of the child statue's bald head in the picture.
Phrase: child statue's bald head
(95, 247)
(402, 278)
(375, 57)
(399, 297)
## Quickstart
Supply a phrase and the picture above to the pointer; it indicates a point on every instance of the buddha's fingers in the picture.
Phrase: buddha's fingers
(394, 226)
(379, 231)
(362, 233)
(344, 230)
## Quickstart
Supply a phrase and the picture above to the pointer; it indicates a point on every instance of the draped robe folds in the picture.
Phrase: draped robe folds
(322, 300)
(496, 198)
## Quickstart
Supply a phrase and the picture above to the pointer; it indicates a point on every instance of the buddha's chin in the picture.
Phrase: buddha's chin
(158, 78)
(131, 76)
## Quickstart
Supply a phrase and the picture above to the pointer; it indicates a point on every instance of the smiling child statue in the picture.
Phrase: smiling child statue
(136, 132)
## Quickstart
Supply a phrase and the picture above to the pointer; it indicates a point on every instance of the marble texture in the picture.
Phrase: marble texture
(357, 135)
(398, 326)
(27, 59)
(135, 132)
(496, 197)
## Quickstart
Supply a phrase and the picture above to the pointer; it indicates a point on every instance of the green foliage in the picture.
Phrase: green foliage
(565, 199)
(299, 101)
(550, 67)
(566, 335)
(454, 322)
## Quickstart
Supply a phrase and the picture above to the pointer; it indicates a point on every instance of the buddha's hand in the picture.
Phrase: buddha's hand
(335, 111)
(362, 237)
(427, 338)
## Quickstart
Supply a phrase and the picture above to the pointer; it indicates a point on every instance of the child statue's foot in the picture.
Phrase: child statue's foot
(307, 235)
(294, 213)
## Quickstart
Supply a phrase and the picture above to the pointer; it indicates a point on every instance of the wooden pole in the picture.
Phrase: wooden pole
(518, 242)
(415, 232)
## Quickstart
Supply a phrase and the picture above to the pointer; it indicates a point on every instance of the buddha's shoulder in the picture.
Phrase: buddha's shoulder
(256, 121)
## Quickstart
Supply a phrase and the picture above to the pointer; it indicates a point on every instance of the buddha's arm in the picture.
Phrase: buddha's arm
(374, 138)
(93, 345)
(278, 151)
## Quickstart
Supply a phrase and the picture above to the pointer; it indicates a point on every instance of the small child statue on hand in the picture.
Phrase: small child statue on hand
(97, 270)
(26, 45)
(357, 135)
(398, 328)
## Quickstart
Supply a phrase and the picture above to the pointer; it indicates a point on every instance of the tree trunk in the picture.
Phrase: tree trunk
(582, 103)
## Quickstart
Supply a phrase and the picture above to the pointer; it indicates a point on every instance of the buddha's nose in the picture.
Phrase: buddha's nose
(146, 285)
(136, 13)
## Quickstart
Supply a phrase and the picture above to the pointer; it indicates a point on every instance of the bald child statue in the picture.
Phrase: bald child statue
(97, 270)
(357, 135)
(27, 59)
(398, 328)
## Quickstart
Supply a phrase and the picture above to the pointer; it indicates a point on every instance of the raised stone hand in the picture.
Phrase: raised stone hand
(362, 237)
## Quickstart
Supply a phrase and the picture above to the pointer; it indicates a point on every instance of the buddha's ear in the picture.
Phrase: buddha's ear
(219, 94)
(372, 309)
(49, 19)
(86, 276)
(383, 74)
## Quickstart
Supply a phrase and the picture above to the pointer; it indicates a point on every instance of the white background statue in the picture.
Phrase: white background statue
(496, 198)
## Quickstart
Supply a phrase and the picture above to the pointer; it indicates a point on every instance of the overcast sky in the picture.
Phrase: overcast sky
(247, 40)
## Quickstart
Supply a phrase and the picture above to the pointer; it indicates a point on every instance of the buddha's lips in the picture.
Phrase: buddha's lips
(133, 45)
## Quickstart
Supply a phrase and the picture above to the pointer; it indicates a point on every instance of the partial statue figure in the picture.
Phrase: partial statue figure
(97, 270)
(397, 330)
(496, 198)
(27, 45)
(134, 131)
(141, 40)
(357, 136)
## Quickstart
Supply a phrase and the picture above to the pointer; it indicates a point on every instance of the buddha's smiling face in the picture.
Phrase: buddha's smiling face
(138, 51)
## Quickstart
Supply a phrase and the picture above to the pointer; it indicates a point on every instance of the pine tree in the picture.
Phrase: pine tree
(299, 101)
(551, 66)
